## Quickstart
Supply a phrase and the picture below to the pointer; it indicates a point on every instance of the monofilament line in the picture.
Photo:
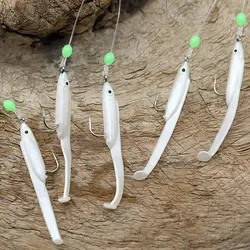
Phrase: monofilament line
(195, 40)
(74, 27)
(64, 60)
(116, 27)
(243, 5)
(209, 12)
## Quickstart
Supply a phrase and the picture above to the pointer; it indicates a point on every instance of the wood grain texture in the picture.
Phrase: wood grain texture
(43, 17)
(184, 204)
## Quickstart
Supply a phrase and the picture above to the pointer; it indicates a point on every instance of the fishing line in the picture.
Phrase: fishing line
(195, 40)
(243, 5)
(109, 58)
(116, 27)
(204, 21)
(67, 49)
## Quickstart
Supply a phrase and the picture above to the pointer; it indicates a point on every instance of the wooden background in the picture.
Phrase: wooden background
(184, 204)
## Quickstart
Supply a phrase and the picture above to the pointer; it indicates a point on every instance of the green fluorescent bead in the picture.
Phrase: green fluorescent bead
(194, 42)
(67, 51)
(9, 105)
(109, 58)
(241, 19)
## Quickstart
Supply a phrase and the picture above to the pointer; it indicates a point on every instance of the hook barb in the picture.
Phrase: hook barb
(155, 104)
(91, 131)
(57, 164)
(215, 89)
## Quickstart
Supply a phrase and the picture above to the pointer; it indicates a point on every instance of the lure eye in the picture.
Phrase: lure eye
(67, 83)
(235, 50)
(183, 70)
(26, 132)
(110, 91)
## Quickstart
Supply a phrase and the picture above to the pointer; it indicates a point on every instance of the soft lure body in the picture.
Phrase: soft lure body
(63, 111)
(172, 112)
(113, 140)
(63, 118)
(36, 167)
(235, 79)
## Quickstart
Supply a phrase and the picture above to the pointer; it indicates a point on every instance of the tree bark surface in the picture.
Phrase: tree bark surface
(43, 17)
(184, 204)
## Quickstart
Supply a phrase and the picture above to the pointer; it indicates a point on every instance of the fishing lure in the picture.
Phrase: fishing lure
(63, 113)
(172, 112)
(37, 171)
(111, 121)
(235, 79)
(173, 108)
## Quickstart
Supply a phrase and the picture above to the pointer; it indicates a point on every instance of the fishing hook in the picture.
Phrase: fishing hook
(45, 123)
(91, 131)
(215, 89)
(57, 164)
(155, 104)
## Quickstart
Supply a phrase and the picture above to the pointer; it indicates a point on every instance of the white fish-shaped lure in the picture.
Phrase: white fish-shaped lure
(36, 167)
(235, 79)
(113, 140)
(172, 112)
(63, 111)
(63, 119)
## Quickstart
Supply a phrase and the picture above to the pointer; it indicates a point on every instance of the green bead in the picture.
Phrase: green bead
(9, 105)
(241, 19)
(194, 42)
(67, 51)
(109, 58)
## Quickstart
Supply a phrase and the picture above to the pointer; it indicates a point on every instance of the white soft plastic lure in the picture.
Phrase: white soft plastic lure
(232, 98)
(112, 135)
(63, 112)
(63, 118)
(172, 112)
(36, 167)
